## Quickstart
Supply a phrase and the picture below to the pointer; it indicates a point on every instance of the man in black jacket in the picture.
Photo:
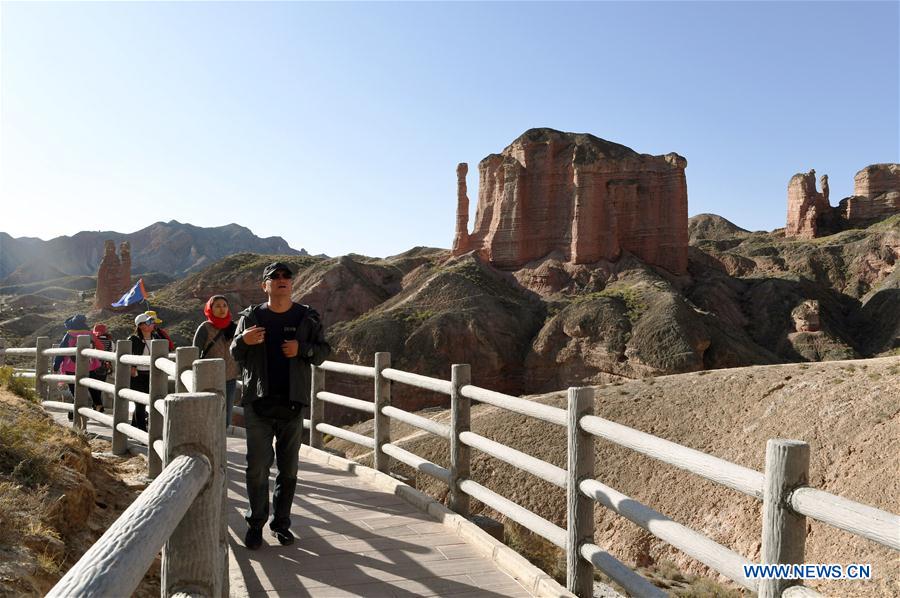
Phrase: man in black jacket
(275, 343)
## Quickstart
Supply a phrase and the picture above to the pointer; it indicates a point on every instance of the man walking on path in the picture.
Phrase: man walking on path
(275, 343)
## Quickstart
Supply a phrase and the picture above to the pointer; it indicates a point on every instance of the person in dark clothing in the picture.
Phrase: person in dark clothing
(140, 375)
(274, 344)
(77, 326)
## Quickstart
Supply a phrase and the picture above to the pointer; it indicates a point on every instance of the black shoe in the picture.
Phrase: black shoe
(284, 536)
(71, 417)
(253, 538)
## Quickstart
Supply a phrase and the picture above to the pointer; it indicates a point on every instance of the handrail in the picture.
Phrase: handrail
(187, 378)
(874, 524)
(718, 470)
(134, 433)
(786, 457)
(147, 522)
(64, 351)
(417, 462)
(859, 519)
(423, 423)
(692, 543)
(346, 435)
(97, 354)
(192, 426)
(135, 360)
(166, 365)
(330, 397)
(99, 385)
(546, 529)
(135, 396)
(536, 467)
(417, 380)
(551, 415)
(348, 368)
(106, 420)
(617, 571)
(20, 351)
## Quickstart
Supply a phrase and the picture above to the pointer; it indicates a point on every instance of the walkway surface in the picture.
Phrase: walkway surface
(354, 540)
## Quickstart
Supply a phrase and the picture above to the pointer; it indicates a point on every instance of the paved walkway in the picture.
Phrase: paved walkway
(354, 540)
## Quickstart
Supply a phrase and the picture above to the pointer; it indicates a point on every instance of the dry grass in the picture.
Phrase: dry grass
(32, 449)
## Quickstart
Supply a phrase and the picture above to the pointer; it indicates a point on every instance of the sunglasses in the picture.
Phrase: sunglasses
(281, 275)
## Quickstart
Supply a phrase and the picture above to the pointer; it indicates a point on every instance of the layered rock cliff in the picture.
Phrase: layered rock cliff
(876, 195)
(578, 196)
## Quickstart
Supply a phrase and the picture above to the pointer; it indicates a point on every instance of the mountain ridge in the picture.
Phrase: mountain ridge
(173, 247)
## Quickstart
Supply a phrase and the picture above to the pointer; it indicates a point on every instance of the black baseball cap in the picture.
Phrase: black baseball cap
(275, 267)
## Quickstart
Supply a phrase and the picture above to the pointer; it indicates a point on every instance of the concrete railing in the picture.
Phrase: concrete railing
(786, 498)
(181, 511)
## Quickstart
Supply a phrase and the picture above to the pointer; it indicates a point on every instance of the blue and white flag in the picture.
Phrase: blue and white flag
(135, 294)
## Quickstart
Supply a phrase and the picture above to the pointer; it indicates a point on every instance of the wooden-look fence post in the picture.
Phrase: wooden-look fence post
(316, 407)
(460, 407)
(580, 508)
(54, 386)
(192, 558)
(784, 531)
(122, 379)
(82, 368)
(209, 376)
(184, 360)
(159, 388)
(382, 422)
(2, 352)
(41, 366)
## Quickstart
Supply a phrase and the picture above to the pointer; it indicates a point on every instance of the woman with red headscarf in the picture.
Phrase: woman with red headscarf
(213, 338)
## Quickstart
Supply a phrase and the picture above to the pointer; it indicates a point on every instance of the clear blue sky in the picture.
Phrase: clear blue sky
(338, 126)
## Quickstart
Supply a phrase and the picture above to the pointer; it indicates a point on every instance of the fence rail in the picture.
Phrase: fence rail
(180, 512)
(786, 503)
(786, 499)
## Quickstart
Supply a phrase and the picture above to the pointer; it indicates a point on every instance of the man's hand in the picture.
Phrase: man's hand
(254, 335)
(289, 348)
(133, 372)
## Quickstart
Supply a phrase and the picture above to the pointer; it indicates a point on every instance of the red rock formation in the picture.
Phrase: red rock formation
(861, 209)
(461, 239)
(876, 179)
(805, 206)
(113, 275)
(580, 196)
(876, 194)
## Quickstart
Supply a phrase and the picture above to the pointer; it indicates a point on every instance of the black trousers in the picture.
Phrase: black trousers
(140, 383)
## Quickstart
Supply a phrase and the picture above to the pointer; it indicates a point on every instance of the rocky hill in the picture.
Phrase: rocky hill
(747, 299)
(170, 247)
(848, 412)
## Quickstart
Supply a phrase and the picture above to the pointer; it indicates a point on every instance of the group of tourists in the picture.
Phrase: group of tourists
(271, 346)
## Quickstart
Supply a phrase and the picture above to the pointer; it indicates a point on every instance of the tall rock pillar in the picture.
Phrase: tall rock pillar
(113, 275)
(461, 238)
